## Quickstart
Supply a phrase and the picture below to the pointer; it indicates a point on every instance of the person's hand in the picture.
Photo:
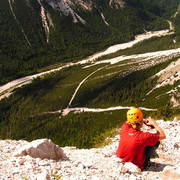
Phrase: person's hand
(150, 122)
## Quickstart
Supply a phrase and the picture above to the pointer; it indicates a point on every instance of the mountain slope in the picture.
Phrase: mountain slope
(129, 78)
(35, 33)
(100, 163)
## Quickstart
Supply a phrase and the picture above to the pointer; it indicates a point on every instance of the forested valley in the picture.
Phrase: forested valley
(36, 110)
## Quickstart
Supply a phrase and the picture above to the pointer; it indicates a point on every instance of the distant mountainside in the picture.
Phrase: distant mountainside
(37, 33)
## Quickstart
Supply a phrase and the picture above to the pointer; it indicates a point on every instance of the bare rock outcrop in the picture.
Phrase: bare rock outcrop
(41, 148)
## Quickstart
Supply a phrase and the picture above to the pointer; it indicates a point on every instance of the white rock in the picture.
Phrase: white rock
(87, 165)
(43, 176)
(81, 167)
(130, 167)
(171, 172)
(41, 148)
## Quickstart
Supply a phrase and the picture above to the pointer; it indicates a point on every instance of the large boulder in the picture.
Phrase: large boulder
(41, 148)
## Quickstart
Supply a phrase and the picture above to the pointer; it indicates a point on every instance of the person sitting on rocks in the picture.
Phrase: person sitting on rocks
(135, 145)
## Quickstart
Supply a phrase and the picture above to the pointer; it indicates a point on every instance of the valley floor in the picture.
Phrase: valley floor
(95, 163)
(6, 89)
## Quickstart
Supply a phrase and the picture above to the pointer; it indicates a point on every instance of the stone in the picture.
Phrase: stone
(130, 167)
(88, 165)
(43, 176)
(20, 161)
(170, 173)
(175, 119)
(41, 148)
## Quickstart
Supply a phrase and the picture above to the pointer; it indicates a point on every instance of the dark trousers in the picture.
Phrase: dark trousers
(150, 152)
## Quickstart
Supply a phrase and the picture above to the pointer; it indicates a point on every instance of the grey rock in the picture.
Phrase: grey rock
(41, 148)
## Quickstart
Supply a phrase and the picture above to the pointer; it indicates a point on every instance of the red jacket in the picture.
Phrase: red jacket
(132, 145)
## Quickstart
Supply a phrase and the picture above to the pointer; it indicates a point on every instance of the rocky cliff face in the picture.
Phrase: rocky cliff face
(96, 163)
(86, 4)
(71, 7)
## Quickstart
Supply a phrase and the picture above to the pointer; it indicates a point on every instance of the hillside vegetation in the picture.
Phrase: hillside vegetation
(24, 48)
(36, 110)
(28, 113)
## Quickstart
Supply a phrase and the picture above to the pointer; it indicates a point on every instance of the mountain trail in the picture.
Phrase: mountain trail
(73, 96)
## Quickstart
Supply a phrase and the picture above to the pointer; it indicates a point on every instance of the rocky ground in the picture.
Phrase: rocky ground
(92, 164)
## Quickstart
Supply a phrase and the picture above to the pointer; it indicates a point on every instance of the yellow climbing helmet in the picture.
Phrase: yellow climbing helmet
(134, 115)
